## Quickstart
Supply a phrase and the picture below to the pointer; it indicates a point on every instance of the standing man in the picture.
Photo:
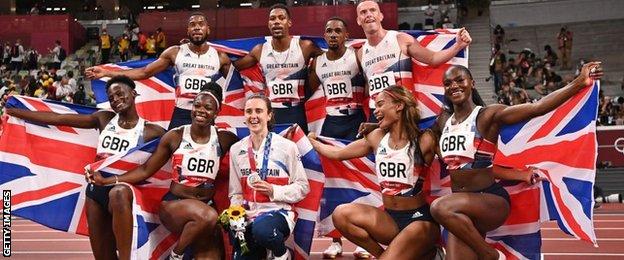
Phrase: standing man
(17, 56)
(564, 38)
(56, 53)
(105, 46)
(161, 41)
(386, 56)
(283, 59)
(338, 72)
(196, 64)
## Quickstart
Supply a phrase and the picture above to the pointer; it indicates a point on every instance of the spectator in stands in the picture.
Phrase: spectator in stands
(499, 35)
(105, 46)
(56, 53)
(79, 96)
(71, 80)
(64, 91)
(447, 24)
(429, 12)
(142, 44)
(40, 92)
(550, 56)
(34, 9)
(124, 47)
(6, 56)
(17, 56)
(134, 39)
(150, 47)
(564, 38)
(161, 41)
(444, 9)
(552, 81)
(497, 66)
(32, 59)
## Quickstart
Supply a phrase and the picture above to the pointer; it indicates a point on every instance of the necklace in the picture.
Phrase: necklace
(274, 52)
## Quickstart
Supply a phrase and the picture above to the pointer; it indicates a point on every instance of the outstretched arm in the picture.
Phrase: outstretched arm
(166, 59)
(251, 59)
(313, 80)
(513, 114)
(153, 164)
(422, 54)
(355, 149)
(52, 118)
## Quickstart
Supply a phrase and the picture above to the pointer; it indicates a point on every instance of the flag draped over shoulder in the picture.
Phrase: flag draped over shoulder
(562, 145)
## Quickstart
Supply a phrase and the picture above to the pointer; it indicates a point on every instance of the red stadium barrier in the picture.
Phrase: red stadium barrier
(243, 23)
(40, 31)
(611, 145)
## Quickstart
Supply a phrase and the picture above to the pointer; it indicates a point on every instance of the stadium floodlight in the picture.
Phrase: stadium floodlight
(57, 9)
(49, 9)
(195, 6)
(63, 9)
(159, 7)
(245, 4)
(151, 7)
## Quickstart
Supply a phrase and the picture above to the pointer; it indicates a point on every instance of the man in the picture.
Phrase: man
(17, 56)
(109, 208)
(386, 56)
(283, 60)
(56, 52)
(196, 64)
(105, 46)
(161, 41)
(338, 72)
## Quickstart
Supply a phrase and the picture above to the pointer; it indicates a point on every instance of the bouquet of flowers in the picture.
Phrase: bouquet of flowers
(234, 218)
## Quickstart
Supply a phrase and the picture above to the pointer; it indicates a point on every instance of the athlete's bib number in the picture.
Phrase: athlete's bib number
(192, 84)
(199, 167)
(458, 144)
(111, 143)
(284, 89)
(338, 90)
(379, 82)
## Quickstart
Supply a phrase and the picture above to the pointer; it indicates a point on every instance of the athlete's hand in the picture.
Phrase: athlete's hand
(366, 128)
(533, 175)
(463, 38)
(264, 187)
(291, 131)
(95, 72)
(591, 71)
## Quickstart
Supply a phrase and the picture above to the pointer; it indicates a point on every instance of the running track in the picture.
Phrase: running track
(31, 240)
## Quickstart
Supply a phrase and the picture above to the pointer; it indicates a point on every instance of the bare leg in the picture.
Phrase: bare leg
(101, 234)
(190, 218)
(120, 207)
(416, 241)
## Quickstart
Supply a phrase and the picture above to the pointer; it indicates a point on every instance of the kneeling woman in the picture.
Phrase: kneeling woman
(266, 176)
(401, 152)
(478, 204)
(185, 209)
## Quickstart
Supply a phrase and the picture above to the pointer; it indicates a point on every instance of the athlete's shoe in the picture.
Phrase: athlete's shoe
(285, 256)
(361, 253)
(334, 250)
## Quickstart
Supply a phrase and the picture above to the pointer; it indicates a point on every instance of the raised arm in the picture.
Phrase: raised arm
(94, 120)
(251, 59)
(159, 158)
(226, 63)
(433, 58)
(518, 113)
(355, 149)
(309, 49)
(166, 59)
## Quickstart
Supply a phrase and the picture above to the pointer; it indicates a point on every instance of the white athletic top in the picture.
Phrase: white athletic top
(463, 147)
(193, 72)
(395, 169)
(285, 73)
(284, 171)
(115, 140)
(342, 83)
(194, 163)
(384, 65)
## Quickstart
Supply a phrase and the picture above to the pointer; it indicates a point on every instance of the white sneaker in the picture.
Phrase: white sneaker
(334, 250)
(361, 253)
(285, 256)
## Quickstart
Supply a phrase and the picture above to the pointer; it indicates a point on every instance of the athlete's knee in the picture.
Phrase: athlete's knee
(342, 213)
(441, 209)
(120, 197)
(206, 218)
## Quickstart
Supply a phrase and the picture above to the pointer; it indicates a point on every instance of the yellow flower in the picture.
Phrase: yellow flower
(235, 212)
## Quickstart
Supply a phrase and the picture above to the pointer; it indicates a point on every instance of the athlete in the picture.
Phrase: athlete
(283, 59)
(267, 176)
(196, 64)
(386, 56)
(338, 72)
(195, 152)
(467, 144)
(402, 151)
(109, 208)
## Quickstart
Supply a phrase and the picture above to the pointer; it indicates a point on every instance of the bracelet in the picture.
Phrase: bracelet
(116, 179)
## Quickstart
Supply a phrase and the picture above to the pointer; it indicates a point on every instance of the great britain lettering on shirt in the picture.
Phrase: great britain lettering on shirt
(342, 83)
(283, 73)
(193, 72)
(114, 139)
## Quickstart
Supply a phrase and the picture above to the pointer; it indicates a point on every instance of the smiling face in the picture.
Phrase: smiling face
(279, 23)
(369, 16)
(387, 110)
(257, 115)
(335, 34)
(458, 85)
(204, 110)
(121, 97)
(198, 29)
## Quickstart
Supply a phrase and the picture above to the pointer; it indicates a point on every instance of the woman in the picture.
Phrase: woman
(468, 141)
(195, 151)
(401, 153)
(267, 176)
(109, 208)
